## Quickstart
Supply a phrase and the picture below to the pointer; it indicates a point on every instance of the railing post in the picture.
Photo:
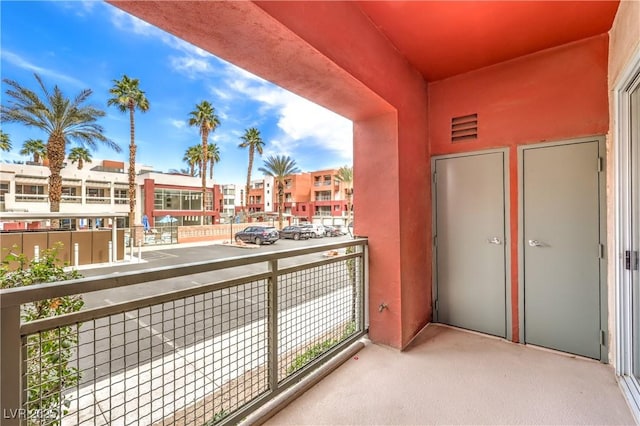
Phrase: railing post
(11, 366)
(272, 357)
(365, 286)
(76, 254)
(114, 241)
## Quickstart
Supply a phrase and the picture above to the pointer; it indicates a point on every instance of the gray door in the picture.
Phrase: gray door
(469, 252)
(561, 223)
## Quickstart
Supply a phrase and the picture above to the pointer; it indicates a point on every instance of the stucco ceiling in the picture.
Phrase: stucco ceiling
(445, 38)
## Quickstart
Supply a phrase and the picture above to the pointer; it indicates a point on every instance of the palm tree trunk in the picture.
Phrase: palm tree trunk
(203, 173)
(280, 203)
(349, 195)
(211, 170)
(132, 167)
(246, 190)
(55, 153)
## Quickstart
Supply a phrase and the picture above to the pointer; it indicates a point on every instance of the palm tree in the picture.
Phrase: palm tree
(127, 96)
(79, 155)
(279, 167)
(345, 176)
(192, 157)
(35, 148)
(61, 118)
(213, 154)
(5, 142)
(252, 140)
(204, 117)
(179, 171)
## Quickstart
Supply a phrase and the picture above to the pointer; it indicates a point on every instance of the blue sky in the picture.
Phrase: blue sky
(88, 44)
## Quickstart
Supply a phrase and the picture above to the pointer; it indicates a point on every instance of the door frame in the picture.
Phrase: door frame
(602, 232)
(507, 229)
(622, 235)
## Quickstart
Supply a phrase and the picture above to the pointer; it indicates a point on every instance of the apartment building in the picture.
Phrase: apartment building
(102, 186)
(261, 196)
(308, 197)
(231, 201)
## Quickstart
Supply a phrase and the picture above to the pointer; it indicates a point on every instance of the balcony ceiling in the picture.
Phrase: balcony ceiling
(445, 38)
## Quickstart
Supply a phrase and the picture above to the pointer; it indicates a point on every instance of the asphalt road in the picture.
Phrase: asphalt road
(112, 345)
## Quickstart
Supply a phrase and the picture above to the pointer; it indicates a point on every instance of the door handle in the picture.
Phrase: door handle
(535, 243)
(494, 240)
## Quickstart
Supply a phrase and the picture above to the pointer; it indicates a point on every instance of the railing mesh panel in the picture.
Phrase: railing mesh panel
(189, 361)
(196, 359)
(318, 308)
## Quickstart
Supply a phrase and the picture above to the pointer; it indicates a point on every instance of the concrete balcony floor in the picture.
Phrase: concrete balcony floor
(449, 376)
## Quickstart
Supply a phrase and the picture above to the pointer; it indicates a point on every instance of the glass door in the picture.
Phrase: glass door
(631, 259)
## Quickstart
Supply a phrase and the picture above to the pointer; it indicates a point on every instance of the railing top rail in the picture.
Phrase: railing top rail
(20, 295)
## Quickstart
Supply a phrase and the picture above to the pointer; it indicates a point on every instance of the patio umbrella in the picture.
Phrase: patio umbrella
(167, 219)
(145, 222)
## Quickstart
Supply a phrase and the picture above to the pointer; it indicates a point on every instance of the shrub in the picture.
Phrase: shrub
(48, 352)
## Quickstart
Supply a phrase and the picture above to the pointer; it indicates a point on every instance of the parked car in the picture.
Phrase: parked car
(332, 231)
(316, 231)
(258, 235)
(295, 232)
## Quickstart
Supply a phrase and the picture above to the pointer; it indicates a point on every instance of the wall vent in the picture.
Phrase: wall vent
(464, 128)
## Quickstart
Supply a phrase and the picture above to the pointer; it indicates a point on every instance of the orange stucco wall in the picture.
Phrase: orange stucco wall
(556, 94)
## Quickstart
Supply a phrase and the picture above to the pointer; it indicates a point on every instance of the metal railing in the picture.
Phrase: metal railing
(91, 199)
(204, 354)
(32, 197)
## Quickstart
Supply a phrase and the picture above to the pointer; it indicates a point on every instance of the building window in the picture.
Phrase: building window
(208, 201)
(4, 189)
(30, 189)
(175, 199)
(323, 195)
(70, 194)
(96, 192)
(121, 196)
(323, 210)
(30, 193)
(97, 195)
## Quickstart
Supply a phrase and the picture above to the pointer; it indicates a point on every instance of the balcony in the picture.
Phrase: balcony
(196, 354)
(233, 348)
(449, 376)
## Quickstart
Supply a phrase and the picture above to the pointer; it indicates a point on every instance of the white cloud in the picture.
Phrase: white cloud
(178, 124)
(191, 61)
(23, 63)
(298, 119)
(80, 8)
(126, 22)
(190, 66)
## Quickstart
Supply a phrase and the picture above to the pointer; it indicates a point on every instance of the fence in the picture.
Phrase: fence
(205, 354)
